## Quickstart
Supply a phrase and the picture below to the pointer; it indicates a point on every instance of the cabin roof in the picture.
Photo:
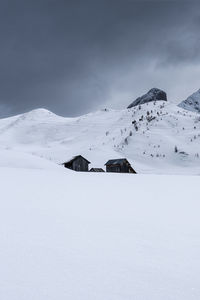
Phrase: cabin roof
(97, 170)
(74, 158)
(116, 161)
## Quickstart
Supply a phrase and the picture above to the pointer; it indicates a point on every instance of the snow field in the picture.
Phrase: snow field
(67, 235)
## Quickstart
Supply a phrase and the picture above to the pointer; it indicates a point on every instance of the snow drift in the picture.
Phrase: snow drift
(68, 235)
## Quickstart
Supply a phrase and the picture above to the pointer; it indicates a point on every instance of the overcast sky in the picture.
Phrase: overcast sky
(76, 56)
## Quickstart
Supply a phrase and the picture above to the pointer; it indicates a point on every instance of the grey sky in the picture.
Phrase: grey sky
(75, 56)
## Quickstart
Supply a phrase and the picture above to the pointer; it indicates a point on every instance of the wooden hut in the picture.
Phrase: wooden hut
(77, 163)
(96, 170)
(120, 165)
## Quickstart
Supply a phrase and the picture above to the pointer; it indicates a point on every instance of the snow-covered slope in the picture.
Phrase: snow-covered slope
(68, 235)
(147, 135)
(192, 103)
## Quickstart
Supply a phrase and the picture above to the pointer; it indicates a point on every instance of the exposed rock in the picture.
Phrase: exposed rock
(152, 95)
(192, 103)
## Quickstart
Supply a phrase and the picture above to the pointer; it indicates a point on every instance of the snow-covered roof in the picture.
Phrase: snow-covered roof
(116, 161)
(75, 157)
(96, 170)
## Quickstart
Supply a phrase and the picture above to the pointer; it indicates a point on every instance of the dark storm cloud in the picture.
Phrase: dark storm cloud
(75, 56)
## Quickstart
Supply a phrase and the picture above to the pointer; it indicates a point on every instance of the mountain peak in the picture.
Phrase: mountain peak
(153, 94)
(192, 103)
(38, 113)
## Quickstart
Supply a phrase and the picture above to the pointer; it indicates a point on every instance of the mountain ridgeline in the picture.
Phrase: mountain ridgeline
(192, 103)
(155, 135)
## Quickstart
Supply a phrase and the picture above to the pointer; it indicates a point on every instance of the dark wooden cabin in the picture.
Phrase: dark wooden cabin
(120, 165)
(96, 170)
(77, 163)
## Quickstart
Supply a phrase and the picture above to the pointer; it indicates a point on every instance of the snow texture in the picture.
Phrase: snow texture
(68, 235)
(73, 235)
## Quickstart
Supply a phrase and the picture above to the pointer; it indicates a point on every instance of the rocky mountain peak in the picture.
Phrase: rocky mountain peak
(154, 94)
(192, 103)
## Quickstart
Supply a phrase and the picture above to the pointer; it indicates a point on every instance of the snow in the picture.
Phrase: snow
(73, 235)
(18, 159)
(106, 134)
(69, 235)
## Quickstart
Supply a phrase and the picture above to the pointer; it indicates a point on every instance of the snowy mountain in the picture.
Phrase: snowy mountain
(192, 103)
(152, 95)
(156, 137)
